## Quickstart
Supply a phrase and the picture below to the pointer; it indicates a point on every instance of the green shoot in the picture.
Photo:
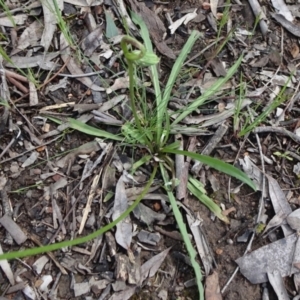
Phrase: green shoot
(241, 96)
(263, 116)
(283, 155)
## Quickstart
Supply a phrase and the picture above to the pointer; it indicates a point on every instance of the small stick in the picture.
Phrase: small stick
(16, 76)
(279, 130)
(18, 84)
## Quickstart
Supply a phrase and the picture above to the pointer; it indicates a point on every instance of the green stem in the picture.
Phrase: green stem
(131, 57)
(188, 244)
(131, 95)
(48, 248)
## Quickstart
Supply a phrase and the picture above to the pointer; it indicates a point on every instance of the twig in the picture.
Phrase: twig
(81, 75)
(16, 76)
(56, 74)
(200, 53)
(18, 85)
(5, 95)
(278, 130)
(91, 196)
(25, 7)
(46, 82)
(33, 138)
(30, 125)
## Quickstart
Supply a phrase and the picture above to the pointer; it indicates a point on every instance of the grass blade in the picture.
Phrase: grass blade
(145, 159)
(209, 93)
(135, 136)
(147, 42)
(195, 188)
(262, 117)
(90, 130)
(216, 164)
(191, 251)
(153, 69)
(162, 106)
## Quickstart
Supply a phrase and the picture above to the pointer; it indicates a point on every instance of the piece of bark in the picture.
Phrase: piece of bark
(5, 266)
(289, 26)
(258, 12)
(14, 229)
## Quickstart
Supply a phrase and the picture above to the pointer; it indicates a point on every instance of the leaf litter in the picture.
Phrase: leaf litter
(59, 189)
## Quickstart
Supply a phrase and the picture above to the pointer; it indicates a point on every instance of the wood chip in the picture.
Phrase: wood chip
(14, 229)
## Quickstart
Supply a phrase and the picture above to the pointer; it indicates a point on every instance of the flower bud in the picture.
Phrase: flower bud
(149, 59)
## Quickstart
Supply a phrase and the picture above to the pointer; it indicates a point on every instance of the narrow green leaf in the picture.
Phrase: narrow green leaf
(90, 130)
(153, 69)
(162, 107)
(280, 98)
(216, 164)
(209, 93)
(134, 135)
(208, 202)
(179, 220)
(147, 42)
(145, 159)
(198, 185)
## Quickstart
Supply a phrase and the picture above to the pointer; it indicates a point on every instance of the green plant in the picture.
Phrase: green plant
(280, 98)
(152, 129)
(224, 19)
(26, 188)
(283, 155)
(241, 97)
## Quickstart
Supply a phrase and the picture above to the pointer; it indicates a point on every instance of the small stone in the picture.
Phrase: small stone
(37, 171)
(229, 241)
(46, 127)
(219, 251)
